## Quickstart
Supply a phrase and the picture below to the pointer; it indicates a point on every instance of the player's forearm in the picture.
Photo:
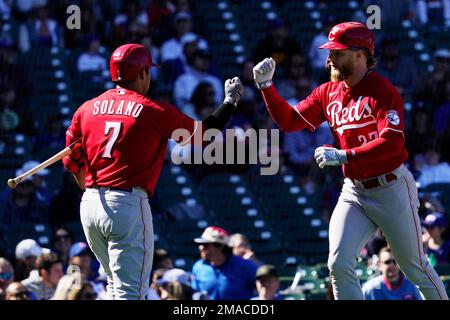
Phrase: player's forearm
(80, 178)
(378, 149)
(281, 112)
(219, 118)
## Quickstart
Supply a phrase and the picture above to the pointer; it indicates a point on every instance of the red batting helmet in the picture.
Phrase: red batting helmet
(128, 60)
(350, 35)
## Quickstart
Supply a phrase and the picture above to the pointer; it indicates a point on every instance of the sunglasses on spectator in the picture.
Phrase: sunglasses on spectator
(6, 275)
(390, 261)
(65, 237)
(208, 244)
(21, 294)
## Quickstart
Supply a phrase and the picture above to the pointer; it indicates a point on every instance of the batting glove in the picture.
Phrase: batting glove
(263, 73)
(233, 90)
(74, 161)
(328, 156)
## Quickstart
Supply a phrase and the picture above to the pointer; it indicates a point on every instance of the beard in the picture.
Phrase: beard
(340, 74)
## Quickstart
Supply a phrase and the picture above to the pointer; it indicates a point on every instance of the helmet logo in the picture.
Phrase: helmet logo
(332, 35)
(118, 55)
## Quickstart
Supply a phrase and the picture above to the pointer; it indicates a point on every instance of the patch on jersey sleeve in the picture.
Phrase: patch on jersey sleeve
(393, 117)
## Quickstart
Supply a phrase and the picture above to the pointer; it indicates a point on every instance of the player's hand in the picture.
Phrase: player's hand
(74, 161)
(263, 73)
(329, 156)
(234, 90)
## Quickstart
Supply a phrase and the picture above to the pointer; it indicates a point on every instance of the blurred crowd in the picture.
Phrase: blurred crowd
(190, 78)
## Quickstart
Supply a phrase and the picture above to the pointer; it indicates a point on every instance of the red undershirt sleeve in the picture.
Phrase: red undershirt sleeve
(288, 118)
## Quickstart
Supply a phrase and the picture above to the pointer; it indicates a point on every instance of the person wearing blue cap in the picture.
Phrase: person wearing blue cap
(436, 246)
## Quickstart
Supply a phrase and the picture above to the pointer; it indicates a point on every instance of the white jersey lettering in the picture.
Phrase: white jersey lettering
(137, 110)
(119, 109)
(96, 108)
(129, 108)
(345, 118)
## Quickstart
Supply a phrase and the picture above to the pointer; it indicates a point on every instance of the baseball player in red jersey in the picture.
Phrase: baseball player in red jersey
(365, 114)
(124, 138)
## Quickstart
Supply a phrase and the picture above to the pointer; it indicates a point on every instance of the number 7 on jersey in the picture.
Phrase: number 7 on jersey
(115, 126)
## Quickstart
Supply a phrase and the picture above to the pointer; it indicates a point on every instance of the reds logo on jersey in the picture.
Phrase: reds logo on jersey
(345, 118)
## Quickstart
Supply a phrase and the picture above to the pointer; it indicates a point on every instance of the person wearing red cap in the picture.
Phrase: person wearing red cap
(122, 141)
(219, 273)
(365, 114)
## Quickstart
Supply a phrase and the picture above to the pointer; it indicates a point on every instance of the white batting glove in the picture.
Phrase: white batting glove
(233, 90)
(263, 73)
(328, 156)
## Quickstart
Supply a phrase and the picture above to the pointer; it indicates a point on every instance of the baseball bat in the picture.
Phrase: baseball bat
(12, 183)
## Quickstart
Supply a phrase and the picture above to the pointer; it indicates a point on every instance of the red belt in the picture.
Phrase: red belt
(374, 182)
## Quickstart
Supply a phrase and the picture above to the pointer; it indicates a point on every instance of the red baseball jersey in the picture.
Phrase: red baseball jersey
(357, 115)
(124, 138)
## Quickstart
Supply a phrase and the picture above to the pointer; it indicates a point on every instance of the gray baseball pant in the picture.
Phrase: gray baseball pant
(119, 229)
(393, 207)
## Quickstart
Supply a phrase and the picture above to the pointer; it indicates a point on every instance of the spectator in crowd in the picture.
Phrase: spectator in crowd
(130, 25)
(399, 69)
(175, 67)
(173, 48)
(74, 287)
(246, 76)
(375, 244)
(435, 245)
(5, 7)
(430, 88)
(27, 251)
(43, 31)
(433, 13)
(80, 255)
(148, 42)
(318, 57)
(417, 136)
(203, 101)
(91, 59)
(52, 137)
(441, 123)
(159, 18)
(175, 284)
(6, 276)
(14, 74)
(295, 73)
(17, 291)
(267, 283)
(187, 82)
(9, 118)
(433, 170)
(65, 204)
(277, 44)
(219, 273)
(242, 248)
(39, 181)
(50, 269)
(300, 147)
(62, 242)
(162, 259)
(155, 291)
(391, 284)
(14, 118)
(23, 205)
